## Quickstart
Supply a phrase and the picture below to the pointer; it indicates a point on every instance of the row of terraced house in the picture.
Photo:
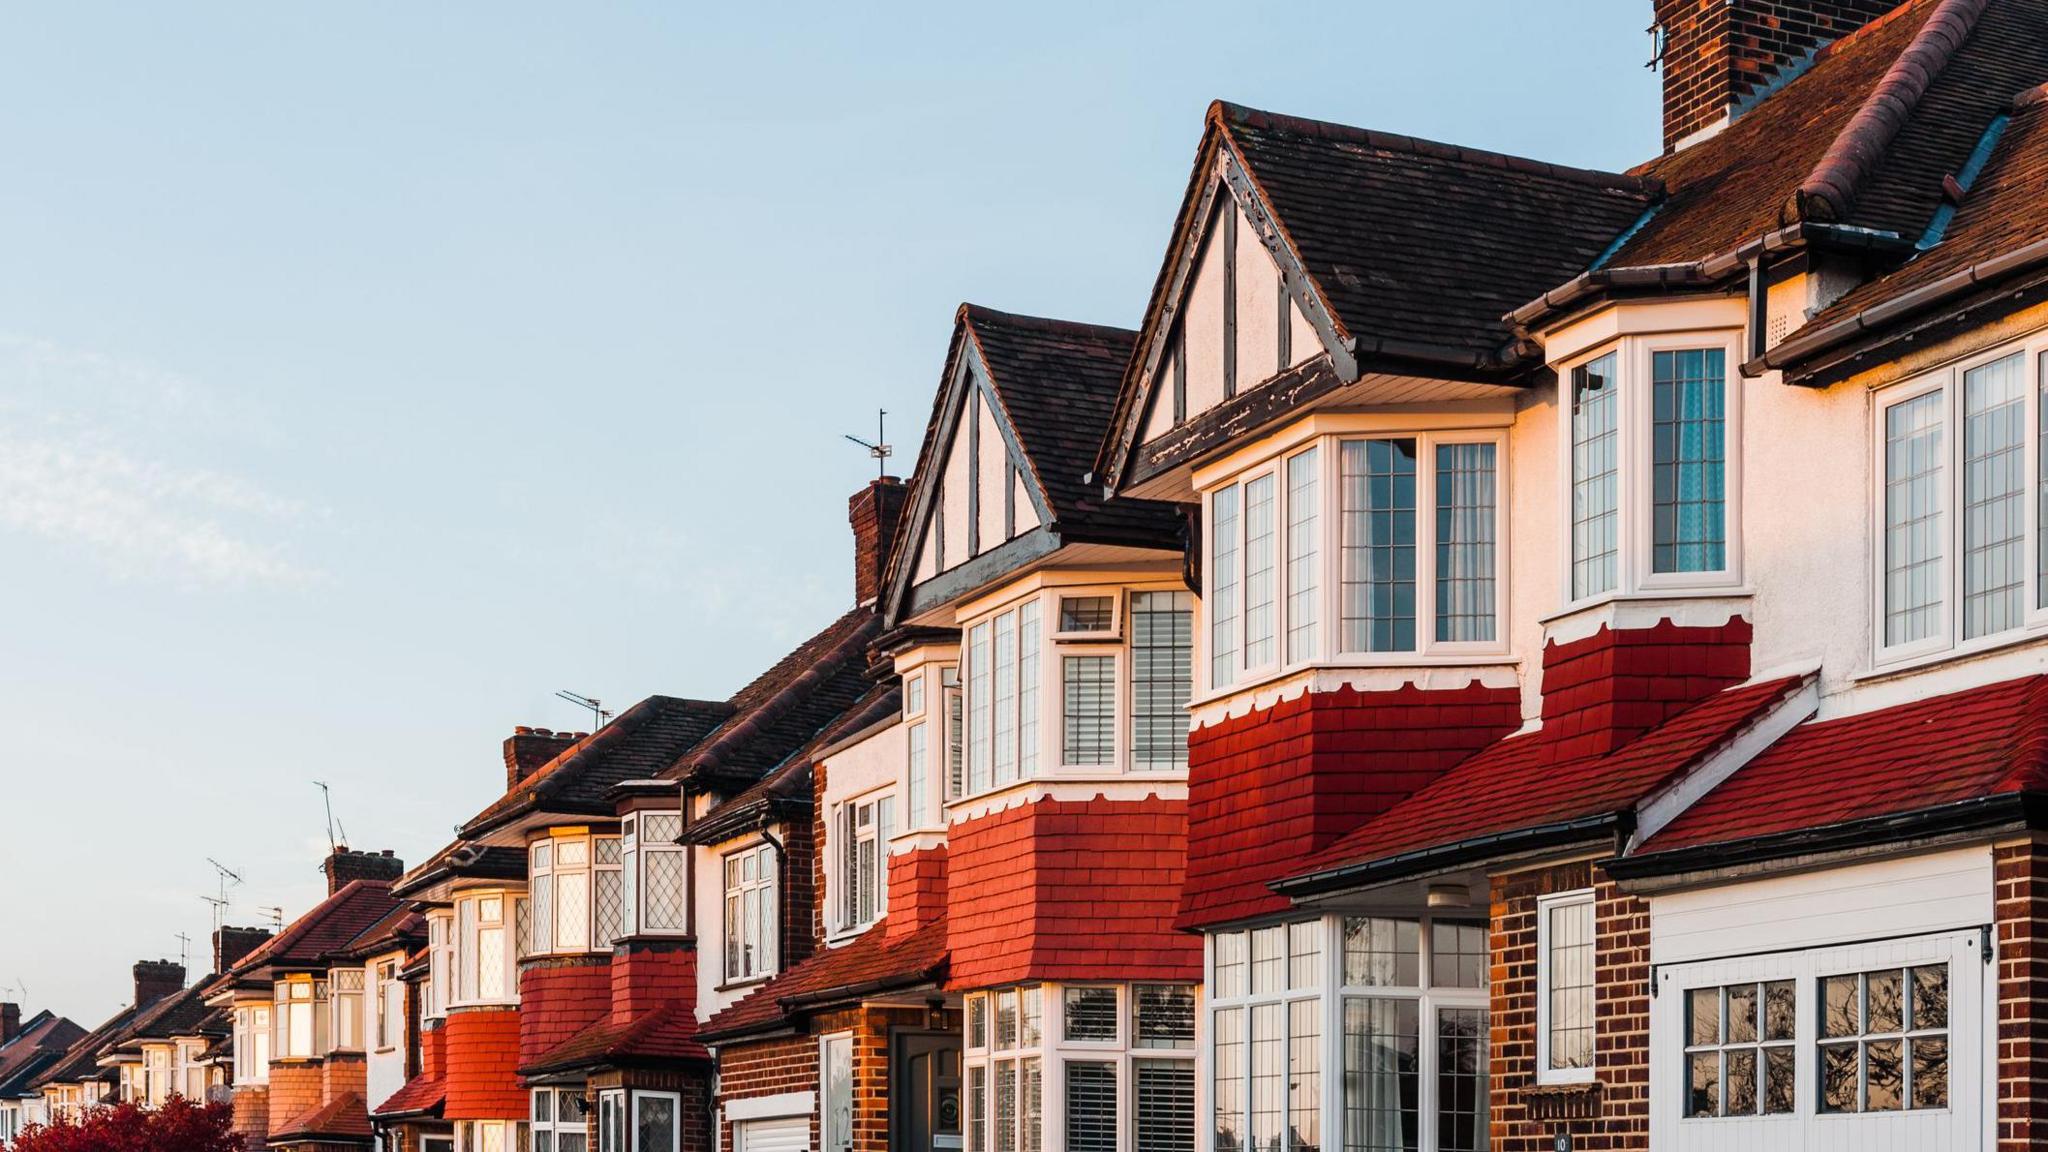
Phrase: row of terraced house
(1504, 656)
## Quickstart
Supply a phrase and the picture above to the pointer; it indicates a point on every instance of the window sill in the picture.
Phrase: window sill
(749, 982)
(1611, 599)
(1340, 665)
(1575, 1100)
(1983, 646)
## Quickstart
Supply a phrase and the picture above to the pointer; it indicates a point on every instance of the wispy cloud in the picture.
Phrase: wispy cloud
(89, 449)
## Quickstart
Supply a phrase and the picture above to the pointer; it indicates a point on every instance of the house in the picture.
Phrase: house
(1002, 846)
(25, 1050)
(296, 1012)
(76, 1081)
(1617, 637)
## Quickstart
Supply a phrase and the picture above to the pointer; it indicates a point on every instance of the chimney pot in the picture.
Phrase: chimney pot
(1717, 55)
(231, 944)
(10, 1021)
(529, 748)
(156, 979)
(347, 865)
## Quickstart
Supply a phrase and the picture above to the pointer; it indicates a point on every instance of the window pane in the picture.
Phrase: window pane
(1380, 953)
(1465, 538)
(1305, 955)
(1163, 1108)
(1304, 1076)
(1930, 997)
(837, 1120)
(1740, 1068)
(1461, 1081)
(979, 710)
(1378, 579)
(657, 1122)
(1269, 959)
(1004, 729)
(1006, 1107)
(1742, 1014)
(1840, 1007)
(1030, 1017)
(1086, 613)
(1688, 397)
(1269, 1074)
(1229, 1079)
(920, 806)
(1779, 1080)
(1303, 476)
(1912, 519)
(1884, 1002)
(1994, 496)
(1780, 1010)
(1883, 1076)
(1222, 586)
(1381, 1076)
(572, 911)
(1091, 1106)
(977, 1109)
(1258, 572)
(1596, 518)
(1230, 964)
(1703, 1084)
(2041, 491)
(1930, 1071)
(1027, 688)
(1838, 1078)
(977, 1022)
(1006, 1019)
(1091, 1014)
(1703, 1011)
(1030, 1106)
(1088, 713)
(607, 911)
(1457, 955)
(1163, 1016)
(664, 893)
(1162, 678)
(1570, 972)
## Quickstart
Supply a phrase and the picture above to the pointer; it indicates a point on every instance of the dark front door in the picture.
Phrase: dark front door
(924, 1100)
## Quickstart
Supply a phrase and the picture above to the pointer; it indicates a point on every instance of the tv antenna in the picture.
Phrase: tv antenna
(18, 990)
(598, 712)
(880, 449)
(184, 949)
(276, 915)
(327, 798)
(225, 876)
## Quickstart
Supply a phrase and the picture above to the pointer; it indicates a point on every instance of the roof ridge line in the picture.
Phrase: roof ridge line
(1223, 113)
(1827, 192)
(971, 311)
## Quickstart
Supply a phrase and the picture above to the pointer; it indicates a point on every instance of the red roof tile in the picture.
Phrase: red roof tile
(421, 1094)
(667, 1034)
(1970, 745)
(344, 1118)
(328, 925)
(873, 962)
(1531, 782)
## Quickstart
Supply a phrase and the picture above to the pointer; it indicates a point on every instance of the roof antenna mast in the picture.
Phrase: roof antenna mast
(880, 449)
(327, 798)
(598, 712)
(225, 876)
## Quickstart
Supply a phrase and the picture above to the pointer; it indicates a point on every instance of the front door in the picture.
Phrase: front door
(924, 1100)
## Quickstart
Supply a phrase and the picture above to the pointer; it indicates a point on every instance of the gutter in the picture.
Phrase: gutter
(1443, 856)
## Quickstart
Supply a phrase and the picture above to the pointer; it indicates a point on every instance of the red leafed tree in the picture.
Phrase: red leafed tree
(179, 1126)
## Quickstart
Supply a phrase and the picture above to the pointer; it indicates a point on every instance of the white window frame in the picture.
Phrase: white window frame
(388, 1013)
(1119, 693)
(440, 962)
(1109, 635)
(637, 852)
(545, 870)
(1545, 1074)
(611, 1111)
(1327, 648)
(345, 1033)
(546, 1133)
(1947, 642)
(767, 884)
(303, 1039)
(1634, 411)
(826, 1044)
(846, 904)
(252, 1043)
(467, 956)
(640, 1095)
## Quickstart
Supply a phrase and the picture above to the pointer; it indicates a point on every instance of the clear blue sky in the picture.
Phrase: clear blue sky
(369, 372)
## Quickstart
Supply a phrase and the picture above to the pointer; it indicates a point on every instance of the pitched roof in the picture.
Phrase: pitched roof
(342, 1119)
(873, 962)
(326, 926)
(668, 1033)
(400, 928)
(179, 1014)
(1948, 751)
(44, 1039)
(80, 1062)
(1414, 242)
(787, 789)
(1529, 788)
(421, 1095)
(786, 706)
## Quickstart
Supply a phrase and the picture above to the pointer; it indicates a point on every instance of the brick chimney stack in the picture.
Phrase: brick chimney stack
(874, 511)
(231, 944)
(156, 979)
(1718, 55)
(347, 864)
(10, 1021)
(529, 748)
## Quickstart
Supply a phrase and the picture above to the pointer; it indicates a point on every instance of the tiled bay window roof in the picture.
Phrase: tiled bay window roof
(667, 1033)
(1971, 759)
(342, 1120)
(873, 963)
(422, 1095)
(1529, 791)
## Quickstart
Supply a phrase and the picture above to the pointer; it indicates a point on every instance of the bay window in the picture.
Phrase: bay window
(347, 1029)
(440, 963)
(577, 899)
(1408, 561)
(300, 1013)
(557, 1121)
(485, 964)
(1406, 999)
(1955, 567)
(653, 874)
(1650, 479)
(390, 1006)
(863, 828)
(751, 914)
(1162, 679)
(252, 1044)
(1119, 1059)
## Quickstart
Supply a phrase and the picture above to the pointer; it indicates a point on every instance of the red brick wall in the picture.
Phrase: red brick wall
(649, 974)
(917, 889)
(342, 1073)
(1719, 52)
(1269, 789)
(294, 1091)
(2020, 875)
(483, 1058)
(1069, 890)
(252, 1114)
(433, 1050)
(558, 999)
(1614, 1111)
(767, 1068)
(1605, 690)
(799, 892)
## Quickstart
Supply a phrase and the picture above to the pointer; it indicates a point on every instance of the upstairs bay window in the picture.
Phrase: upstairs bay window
(347, 1029)
(862, 828)
(486, 970)
(654, 871)
(1961, 563)
(577, 897)
(390, 1006)
(301, 1014)
(1406, 561)
(1650, 477)
(440, 963)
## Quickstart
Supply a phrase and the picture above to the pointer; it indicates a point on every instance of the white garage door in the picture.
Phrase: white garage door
(783, 1135)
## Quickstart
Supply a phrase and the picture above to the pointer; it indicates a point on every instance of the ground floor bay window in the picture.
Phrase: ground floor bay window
(1082, 1068)
(1349, 1033)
